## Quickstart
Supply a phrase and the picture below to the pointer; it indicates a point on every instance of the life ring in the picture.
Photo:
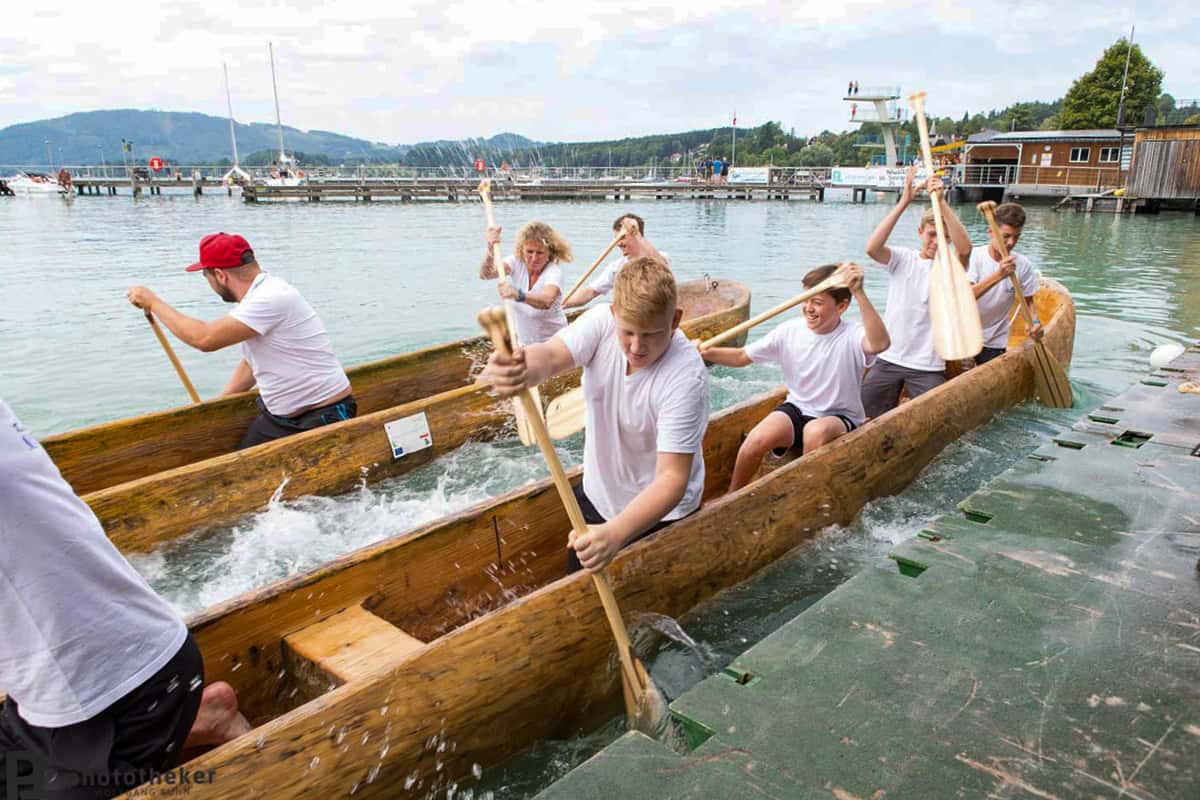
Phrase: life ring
(299, 173)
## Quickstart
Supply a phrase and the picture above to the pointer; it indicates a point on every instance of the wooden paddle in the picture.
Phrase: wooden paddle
(596, 263)
(166, 346)
(524, 432)
(1050, 380)
(645, 707)
(957, 332)
(566, 415)
(1190, 388)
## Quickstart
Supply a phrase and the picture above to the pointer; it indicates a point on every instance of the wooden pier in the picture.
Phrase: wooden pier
(453, 190)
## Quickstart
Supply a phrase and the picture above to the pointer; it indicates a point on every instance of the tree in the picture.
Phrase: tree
(1092, 100)
(816, 155)
(1194, 119)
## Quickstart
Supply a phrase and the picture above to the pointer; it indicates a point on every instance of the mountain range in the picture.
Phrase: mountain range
(183, 137)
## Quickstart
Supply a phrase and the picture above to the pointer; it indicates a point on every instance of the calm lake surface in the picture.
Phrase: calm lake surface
(387, 278)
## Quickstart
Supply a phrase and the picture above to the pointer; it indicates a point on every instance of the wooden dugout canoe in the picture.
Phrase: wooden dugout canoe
(111, 453)
(142, 513)
(398, 669)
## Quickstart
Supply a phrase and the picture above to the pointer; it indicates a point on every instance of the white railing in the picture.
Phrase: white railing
(1063, 175)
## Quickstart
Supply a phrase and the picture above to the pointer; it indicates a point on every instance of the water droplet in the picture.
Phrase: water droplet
(373, 774)
(313, 764)
(262, 742)
(410, 780)
(477, 770)
(439, 766)
(383, 711)
(174, 684)
(195, 683)
(366, 736)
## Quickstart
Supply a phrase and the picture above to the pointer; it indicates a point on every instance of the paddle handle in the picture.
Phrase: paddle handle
(837, 279)
(918, 106)
(492, 321)
(616, 240)
(166, 346)
(988, 210)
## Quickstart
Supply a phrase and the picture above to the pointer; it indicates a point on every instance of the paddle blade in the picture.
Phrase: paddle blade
(525, 431)
(566, 414)
(957, 331)
(645, 707)
(1050, 379)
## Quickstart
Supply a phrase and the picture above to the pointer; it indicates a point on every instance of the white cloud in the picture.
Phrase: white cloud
(401, 73)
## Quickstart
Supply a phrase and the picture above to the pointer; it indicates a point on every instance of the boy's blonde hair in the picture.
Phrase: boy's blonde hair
(644, 291)
(543, 234)
(926, 219)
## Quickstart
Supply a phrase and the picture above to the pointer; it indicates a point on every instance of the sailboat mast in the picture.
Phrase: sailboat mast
(229, 103)
(278, 121)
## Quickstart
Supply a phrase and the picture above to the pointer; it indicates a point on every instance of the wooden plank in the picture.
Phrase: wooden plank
(345, 647)
(524, 654)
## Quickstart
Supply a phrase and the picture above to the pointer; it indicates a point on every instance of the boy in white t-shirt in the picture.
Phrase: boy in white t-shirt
(911, 362)
(990, 278)
(285, 349)
(647, 400)
(634, 245)
(823, 358)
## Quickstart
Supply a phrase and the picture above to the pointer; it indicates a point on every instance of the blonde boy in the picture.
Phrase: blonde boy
(823, 358)
(647, 403)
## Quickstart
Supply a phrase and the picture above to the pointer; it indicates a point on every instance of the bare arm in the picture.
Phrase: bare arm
(957, 233)
(204, 336)
(241, 380)
(487, 268)
(543, 298)
(877, 339)
(727, 356)
(597, 547)
(877, 247)
(582, 297)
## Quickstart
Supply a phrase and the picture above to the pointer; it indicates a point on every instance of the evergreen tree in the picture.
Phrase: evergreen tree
(1092, 100)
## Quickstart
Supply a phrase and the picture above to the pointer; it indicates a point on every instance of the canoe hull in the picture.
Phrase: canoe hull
(542, 665)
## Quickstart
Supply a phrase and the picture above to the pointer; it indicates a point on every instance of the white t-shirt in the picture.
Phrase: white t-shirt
(292, 357)
(997, 302)
(630, 419)
(823, 372)
(80, 628)
(604, 284)
(536, 325)
(907, 314)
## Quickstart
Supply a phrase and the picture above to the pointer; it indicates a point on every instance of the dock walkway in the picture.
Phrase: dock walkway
(1044, 642)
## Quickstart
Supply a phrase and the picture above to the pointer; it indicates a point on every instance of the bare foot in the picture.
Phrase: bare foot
(218, 720)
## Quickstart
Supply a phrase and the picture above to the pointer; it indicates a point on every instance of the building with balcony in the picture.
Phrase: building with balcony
(1042, 163)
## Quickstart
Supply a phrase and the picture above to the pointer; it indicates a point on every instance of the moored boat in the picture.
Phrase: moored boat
(167, 492)
(34, 183)
(402, 669)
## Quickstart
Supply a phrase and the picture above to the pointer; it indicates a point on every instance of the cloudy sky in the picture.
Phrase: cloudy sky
(563, 71)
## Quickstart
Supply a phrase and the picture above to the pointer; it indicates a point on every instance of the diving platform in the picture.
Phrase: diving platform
(1043, 641)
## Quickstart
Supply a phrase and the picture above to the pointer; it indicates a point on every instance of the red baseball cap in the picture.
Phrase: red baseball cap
(220, 251)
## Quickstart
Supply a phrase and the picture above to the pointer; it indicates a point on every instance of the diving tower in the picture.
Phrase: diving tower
(884, 109)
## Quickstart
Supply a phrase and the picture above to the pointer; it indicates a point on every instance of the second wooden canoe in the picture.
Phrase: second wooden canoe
(110, 453)
(403, 669)
(145, 512)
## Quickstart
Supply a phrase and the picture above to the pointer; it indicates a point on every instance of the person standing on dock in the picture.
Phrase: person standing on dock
(533, 281)
(990, 278)
(103, 679)
(911, 362)
(647, 400)
(635, 245)
(285, 349)
(823, 358)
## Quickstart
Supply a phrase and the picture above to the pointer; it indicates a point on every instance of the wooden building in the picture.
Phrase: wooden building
(1083, 158)
(1166, 166)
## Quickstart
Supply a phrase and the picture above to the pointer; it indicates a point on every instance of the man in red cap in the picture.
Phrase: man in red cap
(285, 349)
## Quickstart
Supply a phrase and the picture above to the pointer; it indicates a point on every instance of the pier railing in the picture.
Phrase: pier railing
(1063, 175)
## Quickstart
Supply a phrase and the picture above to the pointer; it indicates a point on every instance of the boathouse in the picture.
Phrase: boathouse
(1166, 168)
(1042, 163)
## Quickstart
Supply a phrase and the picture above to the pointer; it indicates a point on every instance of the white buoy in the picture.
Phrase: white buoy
(1165, 354)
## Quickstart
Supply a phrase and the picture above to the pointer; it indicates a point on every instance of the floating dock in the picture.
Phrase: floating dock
(1043, 642)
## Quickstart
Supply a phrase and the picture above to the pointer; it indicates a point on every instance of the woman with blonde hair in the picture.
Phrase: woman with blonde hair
(532, 279)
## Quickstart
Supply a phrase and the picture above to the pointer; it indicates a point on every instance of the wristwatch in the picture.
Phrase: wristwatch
(520, 295)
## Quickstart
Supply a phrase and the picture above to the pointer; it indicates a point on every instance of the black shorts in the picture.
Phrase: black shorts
(121, 747)
(799, 420)
(987, 354)
(592, 517)
(267, 427)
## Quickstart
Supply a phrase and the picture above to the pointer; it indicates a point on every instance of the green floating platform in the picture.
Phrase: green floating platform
(1043, 642)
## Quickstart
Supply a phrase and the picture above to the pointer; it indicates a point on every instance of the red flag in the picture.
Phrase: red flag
(735, 118)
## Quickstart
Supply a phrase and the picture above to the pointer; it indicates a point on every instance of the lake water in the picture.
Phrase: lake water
(391, 277)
